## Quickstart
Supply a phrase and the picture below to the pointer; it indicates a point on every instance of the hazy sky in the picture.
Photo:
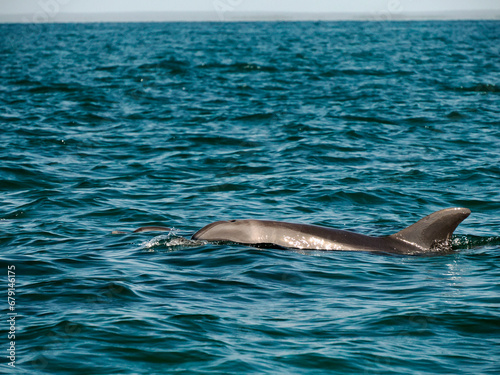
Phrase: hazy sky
(53, 7)
(90, 6)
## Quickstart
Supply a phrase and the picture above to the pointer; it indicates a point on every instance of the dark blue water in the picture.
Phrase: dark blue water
(359, 126)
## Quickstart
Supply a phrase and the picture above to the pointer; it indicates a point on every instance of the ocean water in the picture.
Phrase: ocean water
(363, 126)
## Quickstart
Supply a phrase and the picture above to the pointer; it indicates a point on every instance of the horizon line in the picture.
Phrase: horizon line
(232, 16)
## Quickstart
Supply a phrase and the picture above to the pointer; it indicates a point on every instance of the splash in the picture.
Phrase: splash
(470, 242)
(170, 242)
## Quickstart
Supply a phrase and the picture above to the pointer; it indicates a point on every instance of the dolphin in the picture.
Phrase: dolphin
(145, 229)
(430, 234)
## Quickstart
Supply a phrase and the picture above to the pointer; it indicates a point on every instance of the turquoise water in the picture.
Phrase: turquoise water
(354, 125)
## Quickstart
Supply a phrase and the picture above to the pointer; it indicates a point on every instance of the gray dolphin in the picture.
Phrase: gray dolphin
(430, 234)
(145, 229)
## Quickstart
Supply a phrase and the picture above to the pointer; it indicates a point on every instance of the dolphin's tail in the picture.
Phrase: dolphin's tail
(433, 231)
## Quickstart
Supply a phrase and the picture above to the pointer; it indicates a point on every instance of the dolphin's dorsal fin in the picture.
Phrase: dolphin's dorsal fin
(434, 229)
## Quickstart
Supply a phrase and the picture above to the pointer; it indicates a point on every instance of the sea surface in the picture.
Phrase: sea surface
(362, 126)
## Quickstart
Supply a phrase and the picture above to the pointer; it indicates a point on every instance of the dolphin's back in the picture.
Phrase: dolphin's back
(312, 237)
(433, 232)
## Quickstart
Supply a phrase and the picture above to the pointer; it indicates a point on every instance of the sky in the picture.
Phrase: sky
(47, 10)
